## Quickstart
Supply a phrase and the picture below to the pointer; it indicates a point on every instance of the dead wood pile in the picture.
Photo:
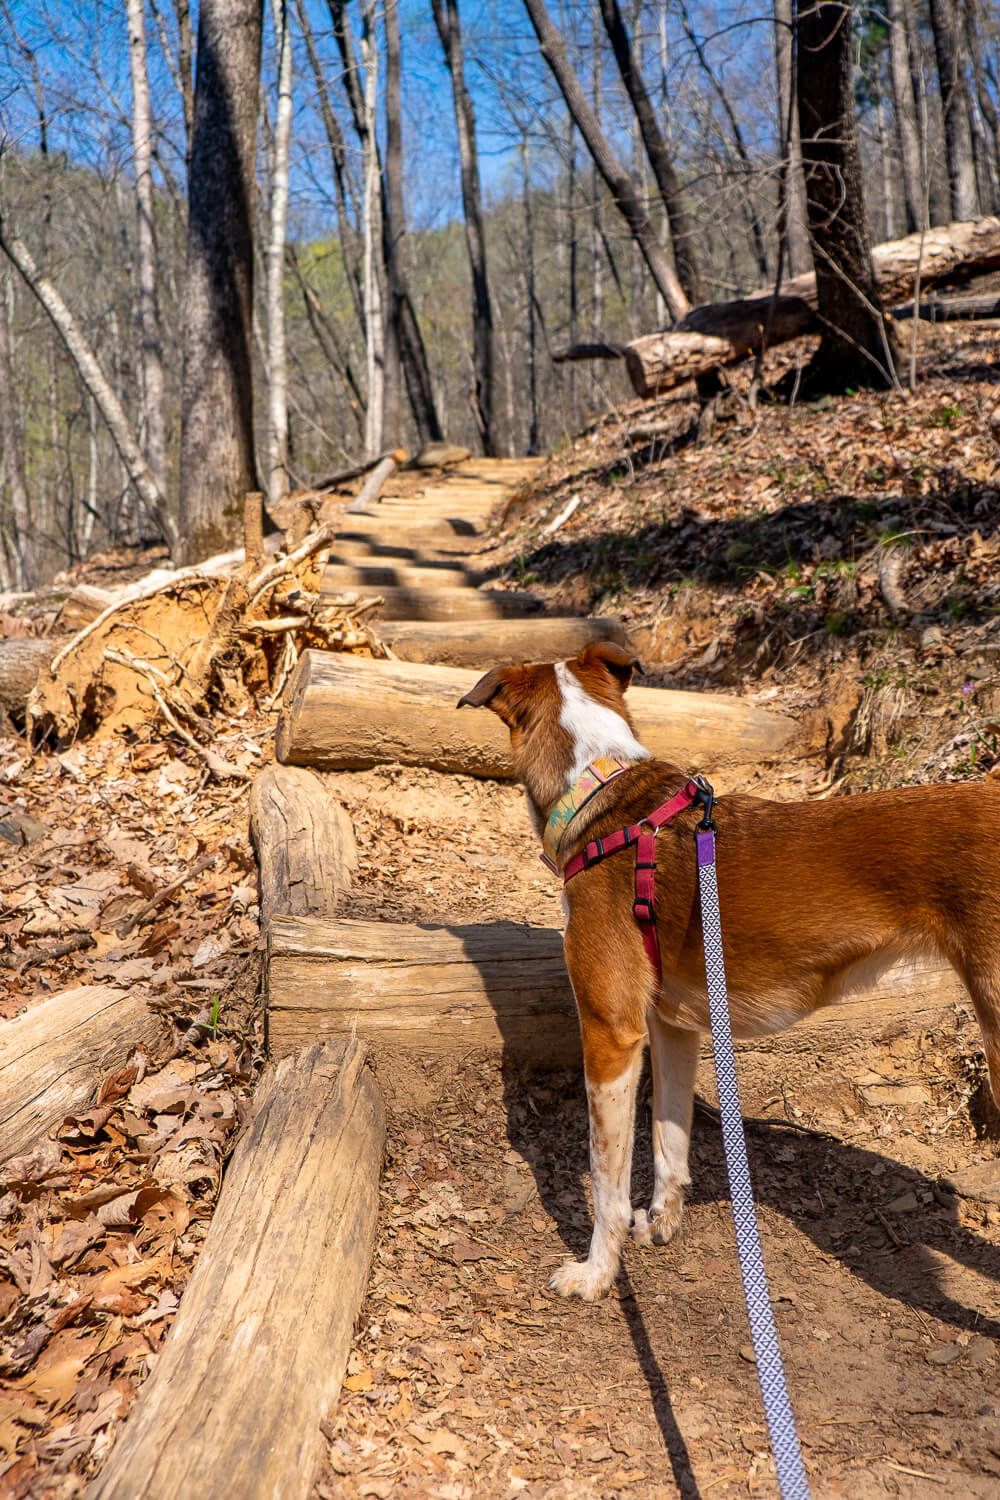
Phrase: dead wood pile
(182, 645)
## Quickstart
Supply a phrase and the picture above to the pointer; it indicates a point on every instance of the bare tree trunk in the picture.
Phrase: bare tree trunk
(529, 285)
(796, 235)
(183, 12)
(955, 104)
(905, 105)
(277, 392)
(416, 370)
(151, 345)
(19, 538)
(619, 184)
(218, 465)
(446, 18)
(393, 232)
(682, 229)
(374, 334)
(855, 348)
(94, 380)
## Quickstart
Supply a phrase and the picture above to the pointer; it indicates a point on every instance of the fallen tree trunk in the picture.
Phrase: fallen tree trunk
(306, 853)
(446, 989)
(725, 332)
(377, 481)
(399, 603)
(254, 1359)
(21, 660)
(345, 712)
(950, 309)
(56, 1055)
(486, 644)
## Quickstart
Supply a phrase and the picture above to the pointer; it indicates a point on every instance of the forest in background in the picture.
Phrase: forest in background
(364, 224)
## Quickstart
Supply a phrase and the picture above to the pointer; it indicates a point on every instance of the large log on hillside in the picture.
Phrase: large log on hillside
(446, 989)
(254, 1359)
(54, 1058)
(722, 333)
(346, 712)
(484, 643)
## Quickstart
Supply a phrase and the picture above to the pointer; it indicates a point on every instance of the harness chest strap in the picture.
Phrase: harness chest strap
(643, 835)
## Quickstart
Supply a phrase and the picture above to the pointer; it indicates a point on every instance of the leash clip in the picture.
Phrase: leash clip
(706, 798)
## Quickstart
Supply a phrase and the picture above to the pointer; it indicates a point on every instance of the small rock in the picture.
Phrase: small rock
(980, 1351)
(746, 1352)
(931, 637)
(906, 1335)
(944, 1354)
(981, 1180)
(19, 828)
(904, 1204)
(896, 1093)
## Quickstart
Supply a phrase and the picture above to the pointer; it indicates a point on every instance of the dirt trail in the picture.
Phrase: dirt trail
(468, 1377)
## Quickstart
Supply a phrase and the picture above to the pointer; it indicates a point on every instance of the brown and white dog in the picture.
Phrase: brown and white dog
(817, 899)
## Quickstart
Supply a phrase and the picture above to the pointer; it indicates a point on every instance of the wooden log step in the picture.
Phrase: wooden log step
(443, 604)
(372, 576)
(254, 1359)
(348, 712)
(444, 989)
(383, 524)
(371, 549)
(58, 1053)
(427, 989)
(306, 852)
(484, 644)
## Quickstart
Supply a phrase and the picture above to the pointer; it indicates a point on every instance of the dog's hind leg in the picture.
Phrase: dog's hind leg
(674, 1060)
(981, 977)
(612, 1064)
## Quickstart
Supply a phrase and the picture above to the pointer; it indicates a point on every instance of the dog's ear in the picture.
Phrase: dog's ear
(496, 691)
(615, 659)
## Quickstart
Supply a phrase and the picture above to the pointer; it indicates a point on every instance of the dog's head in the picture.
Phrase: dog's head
(562, 715)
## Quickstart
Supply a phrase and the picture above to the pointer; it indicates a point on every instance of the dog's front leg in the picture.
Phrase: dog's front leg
(612, 1072)
(673, 1055)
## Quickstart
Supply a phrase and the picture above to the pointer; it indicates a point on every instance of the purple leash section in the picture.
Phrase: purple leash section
(792, 1481)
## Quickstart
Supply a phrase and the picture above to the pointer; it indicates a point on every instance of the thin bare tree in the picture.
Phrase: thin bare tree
(446, 18)
(682, 229)
(95, 381)
(18, 536)
(796, 234)
(150, 340)
(277, 360)
(620, 185)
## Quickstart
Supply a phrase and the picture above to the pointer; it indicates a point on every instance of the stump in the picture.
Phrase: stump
(345, 712)
(257, 1352)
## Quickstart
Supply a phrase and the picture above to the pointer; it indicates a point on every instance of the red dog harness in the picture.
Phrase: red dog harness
(643, 835)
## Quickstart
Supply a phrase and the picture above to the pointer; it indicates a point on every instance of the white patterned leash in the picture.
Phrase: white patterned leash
(792, 1481)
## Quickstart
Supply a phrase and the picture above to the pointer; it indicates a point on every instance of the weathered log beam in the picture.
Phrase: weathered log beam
(723, 333)
(602, 349)
(377, 481)
(446, 989)
(55, 1056)
(257, 1352)
(483, 643)
(399, 603)
(372, 576)
(345, 712)
(304, 841)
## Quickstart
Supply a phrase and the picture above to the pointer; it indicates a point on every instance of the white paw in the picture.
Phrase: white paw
(658, 1228)
(579, 1278)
